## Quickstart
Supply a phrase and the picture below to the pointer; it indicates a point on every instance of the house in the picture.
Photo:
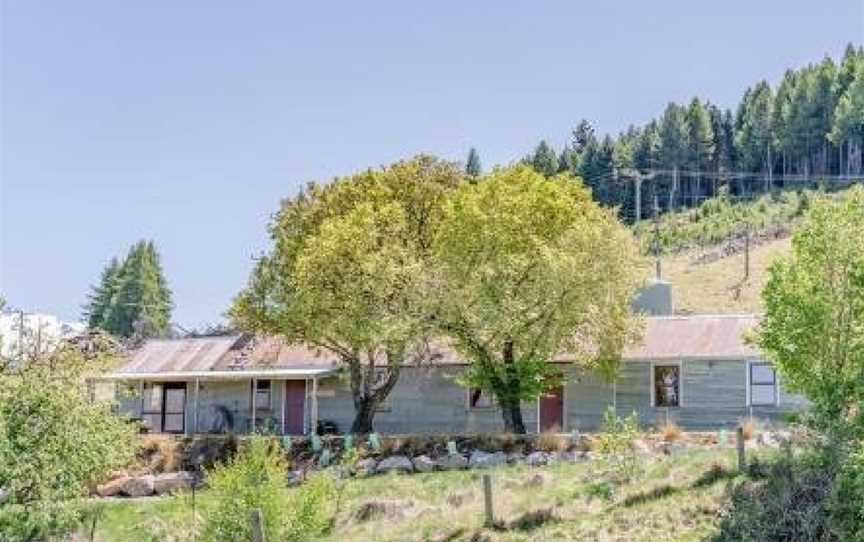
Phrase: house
(696, 371)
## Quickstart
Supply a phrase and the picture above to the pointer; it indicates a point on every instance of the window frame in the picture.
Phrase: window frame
(750, 384)
(482, 408)
(658, 364)
(256, 390)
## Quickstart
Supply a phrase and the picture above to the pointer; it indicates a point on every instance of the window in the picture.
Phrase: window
(667, 385)
(763, 384)
(151, 407)
(479, 399)
(262, 395)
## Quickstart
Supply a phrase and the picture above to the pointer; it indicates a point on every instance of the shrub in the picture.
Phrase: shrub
(847, 503)
(552, 442)
(615, 442)
(671, 432)
(311, 508)
(749, 428)
(254, 478)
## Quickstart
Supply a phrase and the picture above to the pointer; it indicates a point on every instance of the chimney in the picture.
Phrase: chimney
(654, 299)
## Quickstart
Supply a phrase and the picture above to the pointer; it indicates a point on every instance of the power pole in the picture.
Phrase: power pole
(656, 241)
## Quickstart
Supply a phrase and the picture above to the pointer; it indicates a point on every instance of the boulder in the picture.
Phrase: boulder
(452, 462)
(423, 463)
(111, 488)
(367, 466)
(296, 477)
(138, 486)
(172, 481)
(514, 458)
(537, 459)
(573, 456)
(395, 463)
(482, 460)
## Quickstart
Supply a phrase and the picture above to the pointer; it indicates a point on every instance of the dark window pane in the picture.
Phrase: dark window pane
(667, 385)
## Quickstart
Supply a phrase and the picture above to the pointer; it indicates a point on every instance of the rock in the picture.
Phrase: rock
(4, 494)
(515, 458)
(296, 477)
(573, 456)
(138, 486)
(111, 488)
(452, 462)
(482, 460)
(395, 463)
(172, 481)
(537, 459)
(367, 466)
(423, 463)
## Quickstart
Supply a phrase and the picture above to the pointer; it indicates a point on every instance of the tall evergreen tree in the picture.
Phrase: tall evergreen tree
(100, 299)
(673, 148)
(545, 160)
(755, 137)
(133, 298)
(472, 164)
(700, 145)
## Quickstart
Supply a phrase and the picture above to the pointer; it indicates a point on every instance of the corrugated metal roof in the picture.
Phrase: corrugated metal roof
(703, 336)
(668, 337)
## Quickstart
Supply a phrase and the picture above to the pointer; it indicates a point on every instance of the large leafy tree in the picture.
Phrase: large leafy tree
(55, 440)
(813, 327)
(347, 273)
(132, 297)
(528, 268)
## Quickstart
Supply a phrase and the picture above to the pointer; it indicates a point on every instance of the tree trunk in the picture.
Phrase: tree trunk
(363, 416)
(511, 407)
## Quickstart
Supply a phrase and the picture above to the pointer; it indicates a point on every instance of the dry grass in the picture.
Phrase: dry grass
(749, 428)
(159, 453)
(718, 287)
(670, 432)
(552, 442)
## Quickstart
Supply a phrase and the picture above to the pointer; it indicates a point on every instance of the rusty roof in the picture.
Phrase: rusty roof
(666, 337)
(700, 337)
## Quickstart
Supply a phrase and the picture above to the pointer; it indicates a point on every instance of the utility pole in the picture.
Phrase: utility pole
(656, 241)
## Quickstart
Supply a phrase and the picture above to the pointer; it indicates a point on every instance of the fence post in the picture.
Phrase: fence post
(739, 442)
(487, 499)
(258, 526)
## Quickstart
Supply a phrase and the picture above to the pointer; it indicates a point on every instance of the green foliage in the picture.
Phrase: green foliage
(528, 267)
(813, 328)
(55, 441)
(615, 443)
(254, 478)
(545, 161)
(132, 298)
(349, 271)
(847, 502)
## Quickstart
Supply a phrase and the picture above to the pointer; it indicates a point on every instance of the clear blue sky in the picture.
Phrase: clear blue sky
(186, 121)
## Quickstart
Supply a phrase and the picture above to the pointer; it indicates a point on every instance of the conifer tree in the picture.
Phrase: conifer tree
(545, 160)
(472, 165)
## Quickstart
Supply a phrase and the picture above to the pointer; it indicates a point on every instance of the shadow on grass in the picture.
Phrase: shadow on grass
(657, 493)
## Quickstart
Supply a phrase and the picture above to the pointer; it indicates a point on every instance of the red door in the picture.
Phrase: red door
(552, 411)
(295, 402)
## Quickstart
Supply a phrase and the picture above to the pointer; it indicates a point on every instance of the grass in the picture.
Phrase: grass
(674, 498)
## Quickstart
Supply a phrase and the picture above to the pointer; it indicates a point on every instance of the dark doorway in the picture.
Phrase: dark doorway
(295, 405)
(552, 411)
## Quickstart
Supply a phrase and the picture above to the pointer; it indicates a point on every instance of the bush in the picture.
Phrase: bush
(255, 478)
(615, 442)
(847, 503)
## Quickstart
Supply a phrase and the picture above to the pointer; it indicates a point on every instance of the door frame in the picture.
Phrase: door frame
(285, 417)
(563, 411)
(174, 386)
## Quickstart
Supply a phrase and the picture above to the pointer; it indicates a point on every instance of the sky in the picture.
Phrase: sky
(187, 122)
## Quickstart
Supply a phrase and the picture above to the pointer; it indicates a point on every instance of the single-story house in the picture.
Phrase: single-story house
(696, 371)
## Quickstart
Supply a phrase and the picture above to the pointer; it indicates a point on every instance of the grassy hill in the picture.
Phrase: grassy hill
(702, 249)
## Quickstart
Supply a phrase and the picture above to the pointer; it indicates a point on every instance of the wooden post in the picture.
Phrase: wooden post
(487, 499)
(739, 442)
(254, 406)
(747, 252)
(197, 393)
(258, 534)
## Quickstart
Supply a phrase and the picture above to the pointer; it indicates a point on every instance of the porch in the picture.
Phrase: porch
(277, 401)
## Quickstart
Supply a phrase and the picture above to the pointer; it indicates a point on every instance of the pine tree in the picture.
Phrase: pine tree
(472, 164)
(700, 145)
(545, 160)
(102, 296)
(133, 298)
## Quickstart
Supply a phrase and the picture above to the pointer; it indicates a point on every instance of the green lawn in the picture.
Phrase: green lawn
(674, 498)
